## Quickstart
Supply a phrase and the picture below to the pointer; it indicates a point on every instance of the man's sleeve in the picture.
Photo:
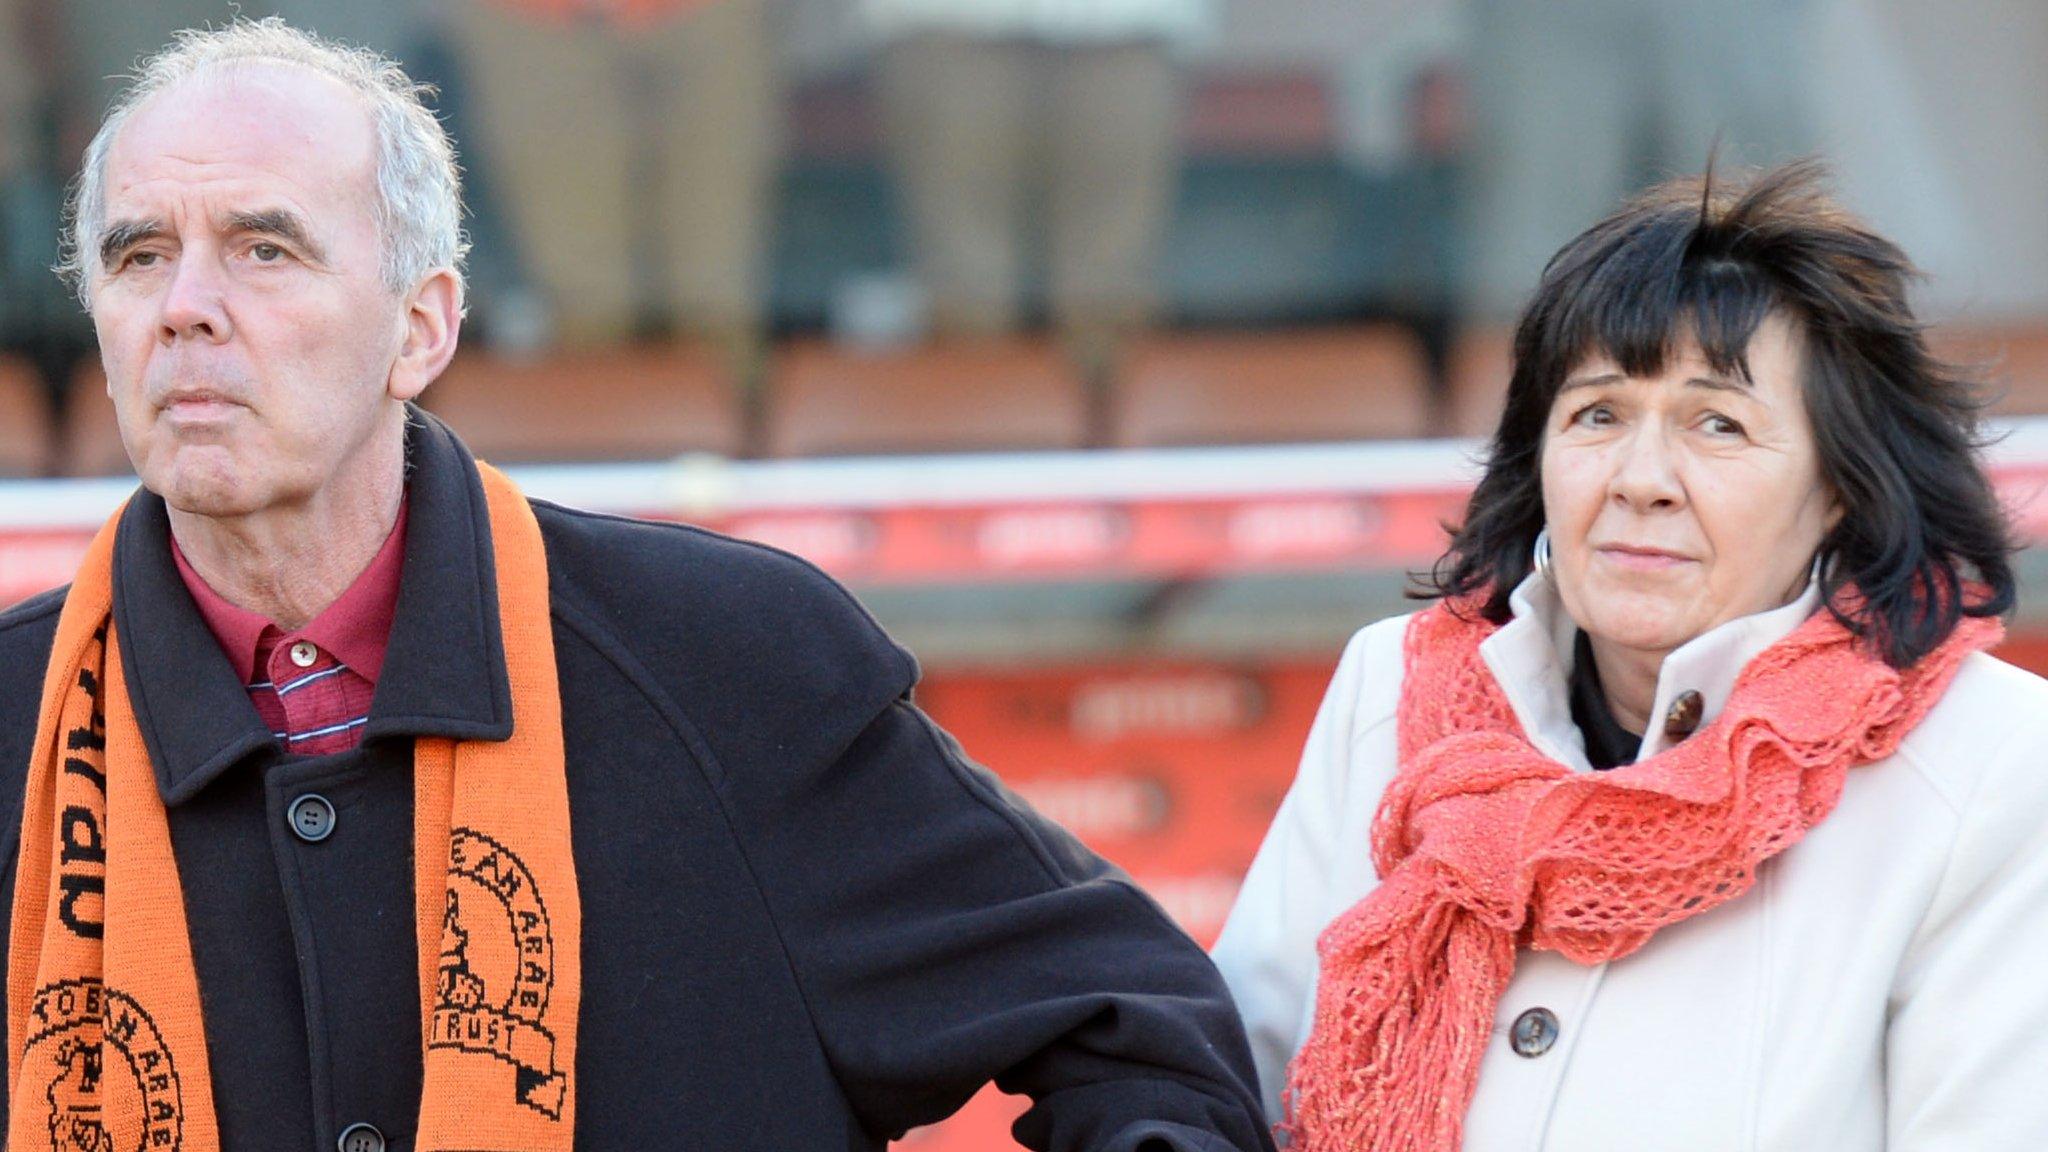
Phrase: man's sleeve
(945, 935)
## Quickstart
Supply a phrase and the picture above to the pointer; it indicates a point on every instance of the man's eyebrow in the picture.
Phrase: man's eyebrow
(122, 235)
(279, 222)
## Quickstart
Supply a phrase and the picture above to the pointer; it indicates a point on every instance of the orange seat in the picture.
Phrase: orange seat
(2012, 359)
(1356, 383)
(954, 396)
(25, 448)
(92, 438)
(603, 404)
(1481, 359)
(1260, 112)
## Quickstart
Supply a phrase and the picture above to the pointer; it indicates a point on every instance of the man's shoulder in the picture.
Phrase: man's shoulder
(27, 632)
(711, 615)
(577, 536)
(683, 569)
(29, 628)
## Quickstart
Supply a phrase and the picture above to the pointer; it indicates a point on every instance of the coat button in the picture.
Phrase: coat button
(304, 654)
(1533, 1032)
(361, 1138)
(312, 820)
(1684, 715)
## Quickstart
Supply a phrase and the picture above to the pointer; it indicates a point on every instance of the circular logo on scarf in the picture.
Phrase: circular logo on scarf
(497, 967)
(97, 1053)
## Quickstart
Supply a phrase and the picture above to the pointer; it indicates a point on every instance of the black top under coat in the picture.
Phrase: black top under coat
(1608, 744)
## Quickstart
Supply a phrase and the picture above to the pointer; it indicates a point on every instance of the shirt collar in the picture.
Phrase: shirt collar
(236, 628)
(1531, 658)
(443, 672)
(354, 629)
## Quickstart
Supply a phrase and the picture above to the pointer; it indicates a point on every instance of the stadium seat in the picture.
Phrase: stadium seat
(1260, 111)
(1354, 383)
(24, 421)
(92, 439)
(2012, 359)
(633, 403)
(954, 396)
(1481, 359)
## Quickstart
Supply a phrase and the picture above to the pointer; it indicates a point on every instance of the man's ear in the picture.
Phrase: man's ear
(433, 321)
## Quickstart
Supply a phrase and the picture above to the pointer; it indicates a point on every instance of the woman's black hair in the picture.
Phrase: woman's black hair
(1922, 534)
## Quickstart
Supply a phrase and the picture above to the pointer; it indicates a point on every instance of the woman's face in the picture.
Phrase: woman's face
(1680, 501)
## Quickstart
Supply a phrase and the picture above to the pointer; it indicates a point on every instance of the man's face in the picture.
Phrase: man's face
(246, 329)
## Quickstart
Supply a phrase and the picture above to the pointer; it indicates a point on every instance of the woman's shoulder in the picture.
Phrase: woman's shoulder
(1379, 643)
(1368, 678)
(1986, 740)
(1983, 751)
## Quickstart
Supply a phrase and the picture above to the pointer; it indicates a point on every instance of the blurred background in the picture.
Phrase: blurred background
(1124, 355)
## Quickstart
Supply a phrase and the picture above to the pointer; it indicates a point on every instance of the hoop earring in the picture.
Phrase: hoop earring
(1540, 554)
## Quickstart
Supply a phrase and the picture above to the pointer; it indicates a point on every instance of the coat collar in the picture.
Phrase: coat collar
(444, 671)
(1531, 659)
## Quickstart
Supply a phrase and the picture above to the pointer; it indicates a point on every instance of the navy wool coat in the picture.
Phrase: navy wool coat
(809, 921)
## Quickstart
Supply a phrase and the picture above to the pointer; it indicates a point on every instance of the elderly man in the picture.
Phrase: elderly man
(364, 804)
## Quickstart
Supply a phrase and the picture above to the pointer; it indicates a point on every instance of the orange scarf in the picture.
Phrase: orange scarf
(1484, 845)
(102, 998)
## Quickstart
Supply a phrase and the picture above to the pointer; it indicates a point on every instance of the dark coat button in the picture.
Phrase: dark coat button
(312, 820)
(1686, 709)
(360, 1138)
(1534, 1032)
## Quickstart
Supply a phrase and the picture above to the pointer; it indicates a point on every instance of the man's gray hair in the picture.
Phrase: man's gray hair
(419, 185)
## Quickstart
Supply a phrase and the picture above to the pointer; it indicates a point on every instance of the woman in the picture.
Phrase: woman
(1694, 816)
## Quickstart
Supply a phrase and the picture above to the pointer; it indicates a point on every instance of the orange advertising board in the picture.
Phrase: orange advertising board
(1171, 771)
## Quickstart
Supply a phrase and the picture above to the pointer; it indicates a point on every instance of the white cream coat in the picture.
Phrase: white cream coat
(1883, 988)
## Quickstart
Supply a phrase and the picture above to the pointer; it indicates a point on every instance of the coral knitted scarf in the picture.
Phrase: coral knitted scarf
(1483, 845)
(103, 1002)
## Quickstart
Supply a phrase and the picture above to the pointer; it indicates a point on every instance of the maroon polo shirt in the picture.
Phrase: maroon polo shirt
(312, 686)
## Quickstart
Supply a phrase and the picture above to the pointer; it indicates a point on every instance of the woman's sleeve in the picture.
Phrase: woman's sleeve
(1967, 1046)
(1267, 951)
